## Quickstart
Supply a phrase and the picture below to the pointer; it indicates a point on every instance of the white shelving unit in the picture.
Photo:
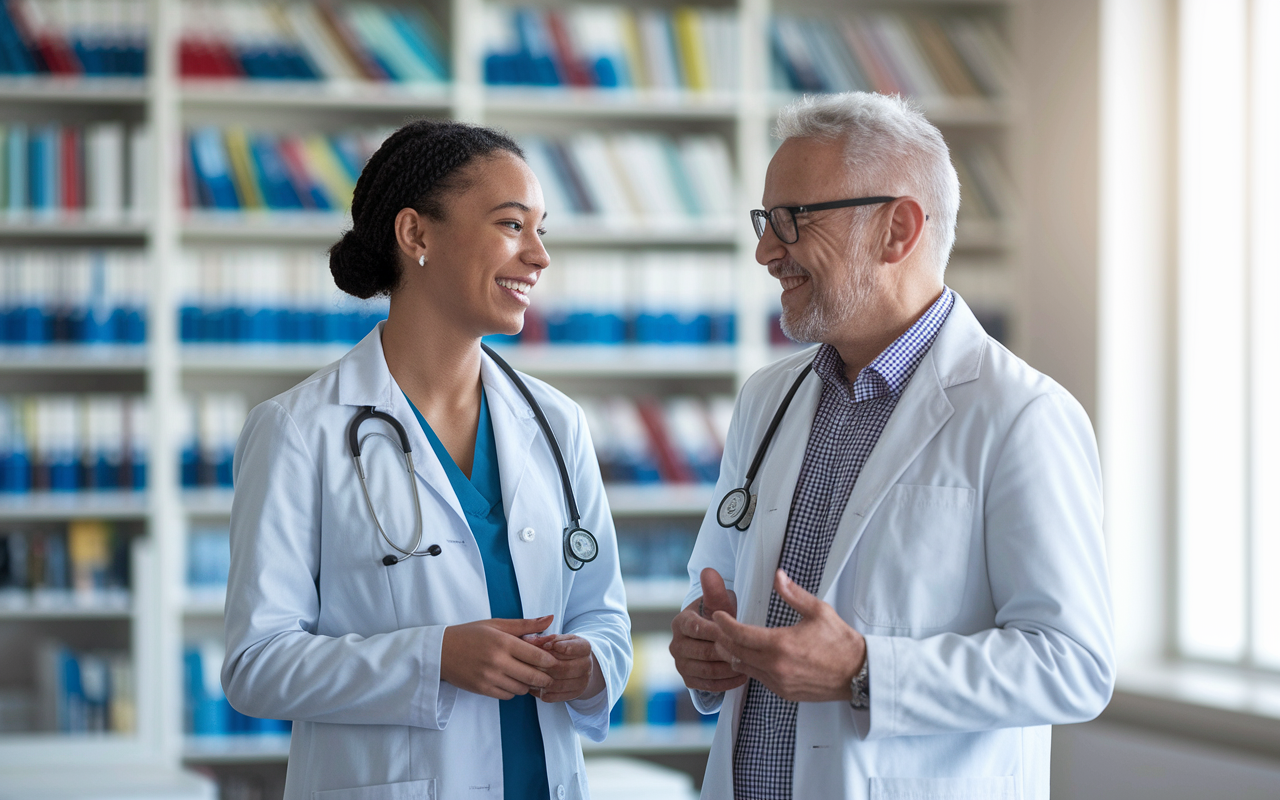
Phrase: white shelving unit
(162, 609)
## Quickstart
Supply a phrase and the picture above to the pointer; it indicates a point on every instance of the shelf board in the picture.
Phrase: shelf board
(34, 225)
(236, 749)
(311, 227)
(73, 505)
(543, 360)
(61, 89)
(329, 95)
(656, 594)
(683, 737)
(686, 737)
(659, 499)
(47, 604)
(204, 601)
(629, 500)
(589, 102)
(72, 357)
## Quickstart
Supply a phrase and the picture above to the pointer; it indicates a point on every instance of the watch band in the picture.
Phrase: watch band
(861, 687)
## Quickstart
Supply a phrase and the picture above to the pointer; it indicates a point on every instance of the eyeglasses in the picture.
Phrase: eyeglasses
(783, 218)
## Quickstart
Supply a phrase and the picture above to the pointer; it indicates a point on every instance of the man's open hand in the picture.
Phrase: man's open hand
(814, 660)
(693, 638)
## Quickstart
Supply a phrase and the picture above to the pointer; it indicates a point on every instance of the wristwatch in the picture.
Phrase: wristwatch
(861, 687)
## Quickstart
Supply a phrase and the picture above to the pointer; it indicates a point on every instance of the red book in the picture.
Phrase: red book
(575, 74)
(295, 163)
(71, 156)
(671, 464)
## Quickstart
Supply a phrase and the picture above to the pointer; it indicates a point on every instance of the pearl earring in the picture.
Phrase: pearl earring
(422, 261)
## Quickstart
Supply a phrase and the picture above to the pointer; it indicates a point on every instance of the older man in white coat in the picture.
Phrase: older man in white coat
(918, 589)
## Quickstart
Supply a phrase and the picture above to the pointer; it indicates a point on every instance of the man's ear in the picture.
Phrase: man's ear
(413, 235)
(906, 227)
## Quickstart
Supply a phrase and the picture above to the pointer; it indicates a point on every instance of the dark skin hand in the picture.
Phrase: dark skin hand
(814, 660)
(488, 657)
(694, 637)
(575, 673)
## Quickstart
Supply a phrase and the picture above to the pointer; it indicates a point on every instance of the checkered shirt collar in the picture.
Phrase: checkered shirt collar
(890, 371)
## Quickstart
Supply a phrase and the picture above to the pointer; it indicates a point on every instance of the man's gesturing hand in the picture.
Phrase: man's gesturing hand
(812, 661)
(488, 657)
(693, 638)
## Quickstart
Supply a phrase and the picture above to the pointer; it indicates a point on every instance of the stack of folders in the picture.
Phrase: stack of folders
(311, 41)
(84, 564)
(263, 296)
(634, 178)
(614, 47)
(642, 297)
(97, 171)
(986, 191)
(81, 296)
(655, 693)
(83, 691)
(71, 442)
(52, 37)
(892, 52)
(678, 439)
(208, 713)
(211, 424)
(238, 170)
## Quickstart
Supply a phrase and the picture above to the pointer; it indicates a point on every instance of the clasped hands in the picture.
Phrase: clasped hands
(505, 657)
(814, 660)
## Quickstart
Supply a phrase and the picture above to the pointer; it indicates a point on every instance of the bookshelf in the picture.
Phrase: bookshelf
(163, 613)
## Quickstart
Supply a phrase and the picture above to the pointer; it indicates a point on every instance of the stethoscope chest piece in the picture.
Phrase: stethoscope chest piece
(736, 509)
(580, 547)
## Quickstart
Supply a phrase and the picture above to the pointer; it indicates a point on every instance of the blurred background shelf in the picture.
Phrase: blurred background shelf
(316, 95)
(72, 226)
(72, 358)
(110, 505)
(682, 737)
(85, 90)
(607, 103)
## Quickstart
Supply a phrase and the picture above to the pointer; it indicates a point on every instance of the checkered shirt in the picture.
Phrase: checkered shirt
(845, 429)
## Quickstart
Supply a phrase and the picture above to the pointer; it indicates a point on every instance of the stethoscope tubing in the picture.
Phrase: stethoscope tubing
(773, 426)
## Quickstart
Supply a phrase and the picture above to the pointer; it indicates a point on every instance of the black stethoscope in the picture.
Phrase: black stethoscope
(580, 546)
(739, 505)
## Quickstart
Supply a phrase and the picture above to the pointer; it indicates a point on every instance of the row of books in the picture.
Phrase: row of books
(210, 425)
(262, 295)
(81, 38)
(233, 169)
(677, 439)
(655, 693)
(612, 46)
(96, 170)
(644, 297)
(655, 550)
(83, 691)
(70, 442)
(892, 52)
(311, 41)
(634, 177)
(86, 296)
(986, 190)
(84, 563)
(207, 711)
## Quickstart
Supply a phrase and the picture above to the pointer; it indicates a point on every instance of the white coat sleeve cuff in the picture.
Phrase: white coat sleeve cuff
(590, 717)
(706, 702)
(435, 696)
(876, 721)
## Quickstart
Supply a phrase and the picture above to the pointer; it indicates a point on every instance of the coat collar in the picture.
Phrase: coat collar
(365, 380)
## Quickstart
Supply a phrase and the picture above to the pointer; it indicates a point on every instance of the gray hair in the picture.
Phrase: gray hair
(890, 147)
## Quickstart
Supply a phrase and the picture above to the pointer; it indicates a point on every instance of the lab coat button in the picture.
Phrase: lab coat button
(527, 536)
(560, 791)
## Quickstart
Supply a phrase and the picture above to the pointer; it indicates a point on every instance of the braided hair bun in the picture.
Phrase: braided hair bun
(417, 167)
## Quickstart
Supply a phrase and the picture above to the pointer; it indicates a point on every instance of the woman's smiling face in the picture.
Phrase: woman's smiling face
(486, 254)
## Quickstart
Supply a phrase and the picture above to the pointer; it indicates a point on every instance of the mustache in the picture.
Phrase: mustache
(787, 268)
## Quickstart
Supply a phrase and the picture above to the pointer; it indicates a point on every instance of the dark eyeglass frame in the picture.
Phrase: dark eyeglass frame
(759, 215)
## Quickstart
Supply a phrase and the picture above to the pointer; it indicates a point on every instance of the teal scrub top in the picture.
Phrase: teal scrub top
(524, 763)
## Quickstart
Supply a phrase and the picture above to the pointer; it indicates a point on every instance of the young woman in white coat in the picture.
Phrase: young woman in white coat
(422, 618)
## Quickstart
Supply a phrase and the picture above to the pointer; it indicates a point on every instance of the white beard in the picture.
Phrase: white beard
(832, 306)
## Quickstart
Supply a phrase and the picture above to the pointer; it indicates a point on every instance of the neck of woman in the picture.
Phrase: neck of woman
(434, 362)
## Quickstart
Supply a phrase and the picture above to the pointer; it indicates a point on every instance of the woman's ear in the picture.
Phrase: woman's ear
(413, 235)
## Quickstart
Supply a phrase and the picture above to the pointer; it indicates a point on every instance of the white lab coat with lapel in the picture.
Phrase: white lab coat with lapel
(320, 632)
(970, 555)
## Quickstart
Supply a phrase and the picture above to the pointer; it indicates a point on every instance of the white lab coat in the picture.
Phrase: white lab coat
(320, 632)
(970, 555)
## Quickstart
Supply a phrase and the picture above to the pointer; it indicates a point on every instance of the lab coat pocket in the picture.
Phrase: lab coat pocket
(998, 788)
(913, 559)
(408, 790)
